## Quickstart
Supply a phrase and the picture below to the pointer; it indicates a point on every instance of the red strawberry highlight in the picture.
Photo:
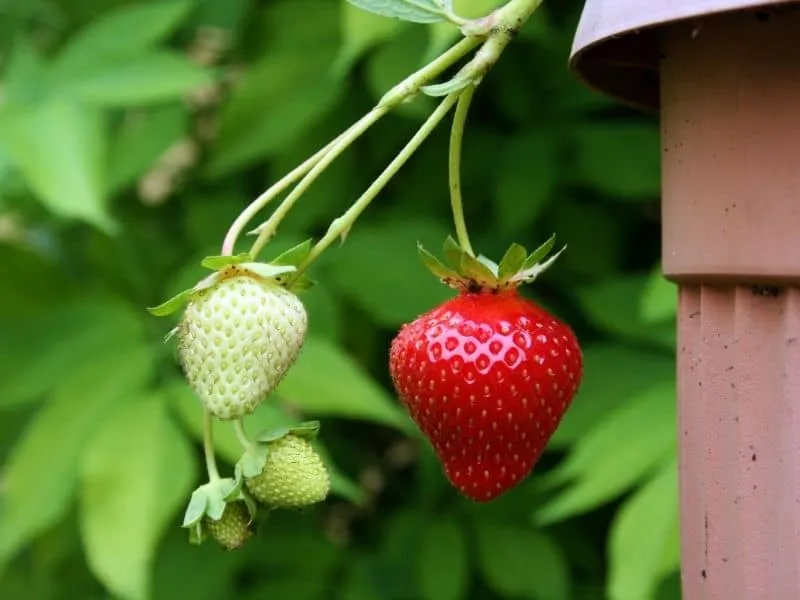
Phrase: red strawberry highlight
(487, 376)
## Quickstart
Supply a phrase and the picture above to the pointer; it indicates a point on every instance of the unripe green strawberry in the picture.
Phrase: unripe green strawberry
(238, 339)
(233, 528)
(293, 477)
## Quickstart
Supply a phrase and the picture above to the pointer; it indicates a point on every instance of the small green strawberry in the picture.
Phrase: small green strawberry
(233, 528)
(240, 333)
(293, 476)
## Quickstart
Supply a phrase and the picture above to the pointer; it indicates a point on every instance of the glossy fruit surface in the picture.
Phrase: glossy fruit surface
(487, 376)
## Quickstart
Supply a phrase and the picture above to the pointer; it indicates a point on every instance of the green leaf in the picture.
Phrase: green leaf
(361, 31)
(512, 261)
(326, 381)
(659, 301)
(253, 461)
(76, 332)
(179, 300)
(268, 271)
(445, 88)
(379, 270)
(220, 262)
(621, 159)
(615, 455)
(415, 11)
(641, 535)
(519, 562)
(59, 147)
(308, 430)
(442, 561)
(436, 266)
(136, 472)
(294, 255)
(613, 305)
(258, 120)
(157, 76)
(614, 374)
(124, 31)
(537, 255)
(141, 140)
(41, 474)
(526, 180)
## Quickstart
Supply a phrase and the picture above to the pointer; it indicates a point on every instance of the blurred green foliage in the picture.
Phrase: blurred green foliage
(131, 134)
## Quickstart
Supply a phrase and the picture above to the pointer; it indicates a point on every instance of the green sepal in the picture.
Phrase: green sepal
(252, 461)
(209, 500)
(452, 252)
(295, 255)
(220, 262)
(180, 300)
(456, 84)
(300, 284)
(435, 266)
(529, 274)
(268, 270)
(307, 430)
(512, 261)
(538, 254)
(197, 533)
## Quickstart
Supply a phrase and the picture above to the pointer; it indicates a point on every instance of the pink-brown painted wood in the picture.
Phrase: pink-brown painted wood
(730, 93)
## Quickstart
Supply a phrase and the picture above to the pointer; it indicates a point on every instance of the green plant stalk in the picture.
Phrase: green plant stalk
(412, 84)
(241, 434)
(456, 139)
(340, 226)
(261, 201)
(268, 228)
(208, 447)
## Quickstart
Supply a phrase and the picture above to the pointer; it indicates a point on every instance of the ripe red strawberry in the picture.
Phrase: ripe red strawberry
(487, 375)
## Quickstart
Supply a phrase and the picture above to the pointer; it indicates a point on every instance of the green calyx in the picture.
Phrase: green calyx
(279, 269)
(254, 459)
(464, 271)
(208, 502)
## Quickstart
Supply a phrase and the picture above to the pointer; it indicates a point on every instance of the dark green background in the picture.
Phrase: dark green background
(113, 185)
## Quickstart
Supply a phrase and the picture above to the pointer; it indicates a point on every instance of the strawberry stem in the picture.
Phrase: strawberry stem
(208, 447)
(340, 226)
(456, 138)
(241, 434)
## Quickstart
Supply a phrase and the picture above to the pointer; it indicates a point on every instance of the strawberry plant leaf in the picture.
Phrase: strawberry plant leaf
(361, 31)
(196, 508)
(150, 78)
(123, 31)
(512, 261)
(456, 84)
(537, 255)
(519, 562)
(530, 274)
(307, 429)
(326, 381)
(295, 255)
(64, 171)
(146, 485)
(435, 266)
(642, 534)
(268, 271)
(252, 461)
(473, 268)
(453, 252)
(612, 457)
(219, 262)
(415, 11)
(659, 299)
(34, 499)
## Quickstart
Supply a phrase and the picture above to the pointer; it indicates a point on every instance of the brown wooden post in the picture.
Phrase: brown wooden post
(728, 89)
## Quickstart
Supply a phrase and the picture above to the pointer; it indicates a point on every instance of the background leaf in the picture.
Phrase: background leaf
(136, 472)
(442, 562)
(642, 536)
